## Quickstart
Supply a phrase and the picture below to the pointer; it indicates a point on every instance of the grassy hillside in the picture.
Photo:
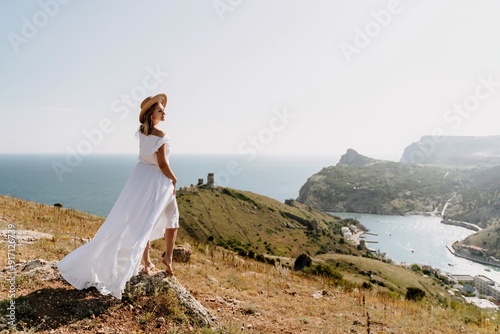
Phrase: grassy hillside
(256, 224)
(246, 295)
(383, 187)
(364, 185)
(379, 274)
(479, 202)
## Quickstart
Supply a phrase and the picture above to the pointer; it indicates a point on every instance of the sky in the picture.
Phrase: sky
(282, 77)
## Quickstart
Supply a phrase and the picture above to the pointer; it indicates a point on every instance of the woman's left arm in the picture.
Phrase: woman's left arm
(161, 155)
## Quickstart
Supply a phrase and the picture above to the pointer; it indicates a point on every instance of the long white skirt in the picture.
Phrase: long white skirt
(142, 212)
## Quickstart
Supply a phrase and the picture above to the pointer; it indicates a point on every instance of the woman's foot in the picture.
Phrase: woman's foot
(148, 268)
(168, 266)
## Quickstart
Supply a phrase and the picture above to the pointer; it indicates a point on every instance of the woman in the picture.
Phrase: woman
(145, 210)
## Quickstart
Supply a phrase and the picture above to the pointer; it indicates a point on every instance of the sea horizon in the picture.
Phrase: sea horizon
(93, 183)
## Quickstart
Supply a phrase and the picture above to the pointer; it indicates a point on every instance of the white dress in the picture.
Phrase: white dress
(142, 212)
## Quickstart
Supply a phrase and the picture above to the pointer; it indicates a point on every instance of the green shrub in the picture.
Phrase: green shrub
(415, 294)
(321, 269)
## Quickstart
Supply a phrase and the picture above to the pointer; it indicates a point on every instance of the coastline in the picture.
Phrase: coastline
(473, 258)
(466, 225)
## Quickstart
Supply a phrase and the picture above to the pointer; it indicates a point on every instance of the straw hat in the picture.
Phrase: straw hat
(148, 102)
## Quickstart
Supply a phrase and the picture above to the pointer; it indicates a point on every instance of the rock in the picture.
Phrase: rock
(213, 280)
(45, 270)
(182, 253)
(24, 236)
(146, 285)
(317, 295)
(28, 266)
(353, 158)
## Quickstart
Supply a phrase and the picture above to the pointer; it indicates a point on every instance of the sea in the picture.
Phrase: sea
(93, 183)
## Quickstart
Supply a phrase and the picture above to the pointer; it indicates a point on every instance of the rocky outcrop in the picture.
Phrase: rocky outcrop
(43, 270)
(147, 285)
(24, 236)
(182, 253)
(353, 158)
(310, 224)
(139, 285)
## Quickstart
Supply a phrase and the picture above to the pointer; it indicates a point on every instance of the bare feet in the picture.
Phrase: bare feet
(168, 266)
(149, 267)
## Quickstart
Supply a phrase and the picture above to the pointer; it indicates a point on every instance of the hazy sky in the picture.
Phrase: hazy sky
(248, 77)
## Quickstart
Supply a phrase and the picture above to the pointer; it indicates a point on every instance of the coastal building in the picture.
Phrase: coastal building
(473, 253)
(487, 287)
(481, 303)
(346, 232)
(468, 290)
(463, 279)
(483, 285)
(495, 292)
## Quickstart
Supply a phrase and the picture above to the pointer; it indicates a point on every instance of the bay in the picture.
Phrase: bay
(419, 240)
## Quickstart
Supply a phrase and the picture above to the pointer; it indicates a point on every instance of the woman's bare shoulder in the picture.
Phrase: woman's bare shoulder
(158, 133)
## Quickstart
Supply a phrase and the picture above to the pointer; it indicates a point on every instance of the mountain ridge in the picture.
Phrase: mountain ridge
(454, 150)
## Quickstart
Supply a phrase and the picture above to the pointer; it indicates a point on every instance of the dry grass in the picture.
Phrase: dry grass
(247, 296)
(69, 228)
(275, 300)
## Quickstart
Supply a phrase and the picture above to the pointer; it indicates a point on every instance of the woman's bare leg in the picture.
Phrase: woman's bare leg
(148, 265)
(170, 236)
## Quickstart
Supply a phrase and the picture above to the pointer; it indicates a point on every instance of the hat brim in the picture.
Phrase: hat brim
(148, 102)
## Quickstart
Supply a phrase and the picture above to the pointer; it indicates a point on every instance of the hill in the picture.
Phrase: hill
(382, 187)
(247, 296)
(386, 187)
(250, 223)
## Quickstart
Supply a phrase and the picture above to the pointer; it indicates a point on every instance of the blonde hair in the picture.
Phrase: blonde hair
(146, 126)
